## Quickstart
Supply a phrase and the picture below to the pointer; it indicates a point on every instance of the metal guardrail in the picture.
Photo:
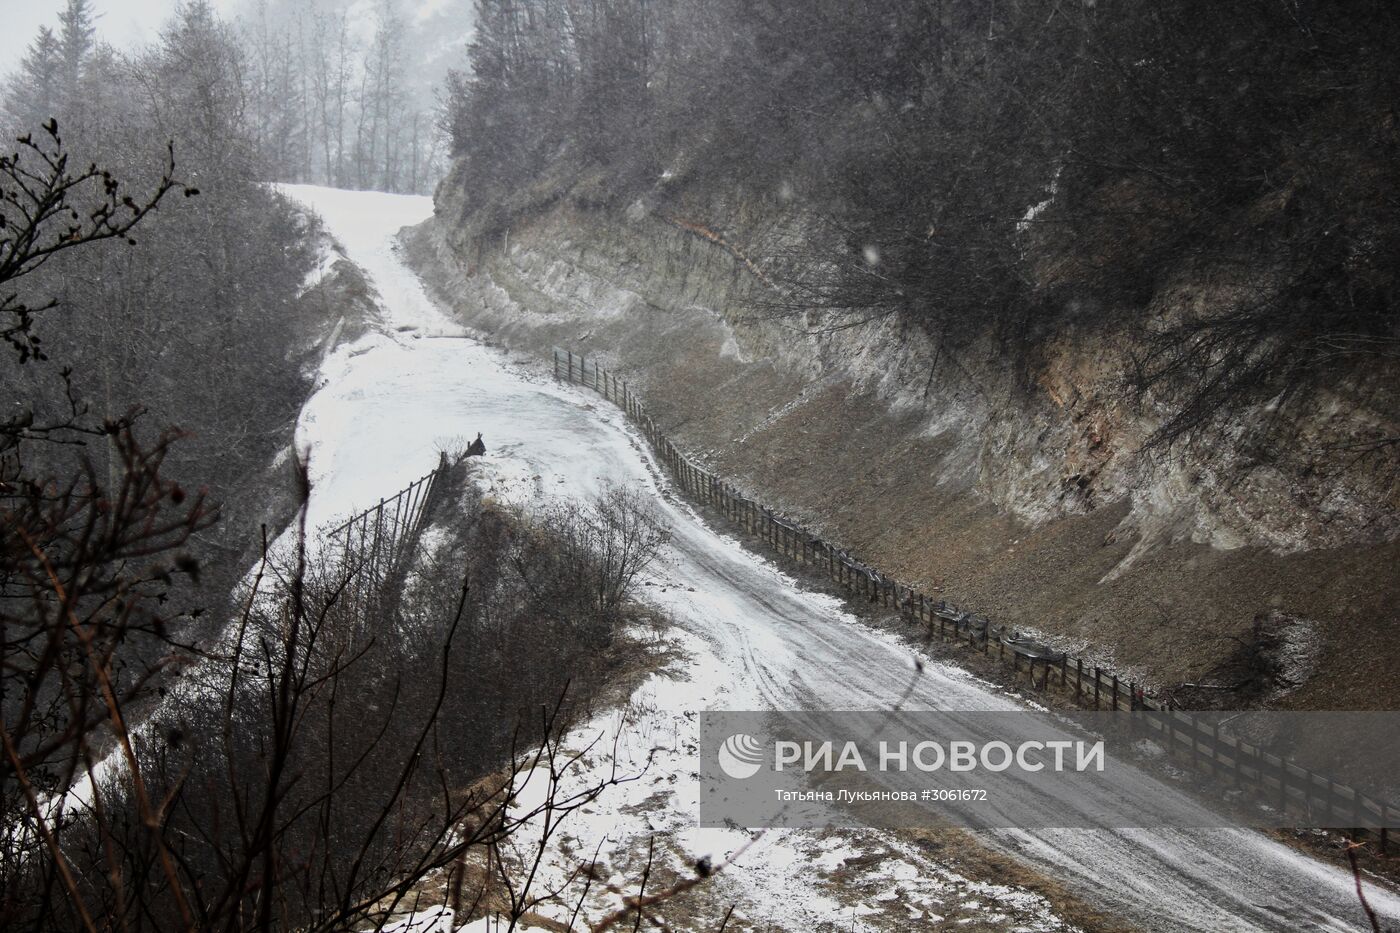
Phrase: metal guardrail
(377, 540)
(1286, 784)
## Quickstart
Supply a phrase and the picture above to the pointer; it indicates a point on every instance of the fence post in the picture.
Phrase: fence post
(378, 536)
(394, 535)
(362, 569)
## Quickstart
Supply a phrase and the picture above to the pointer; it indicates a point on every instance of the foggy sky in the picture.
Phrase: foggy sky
(122, 23)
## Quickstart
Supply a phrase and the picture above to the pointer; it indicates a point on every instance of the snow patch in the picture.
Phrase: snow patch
(752, 637)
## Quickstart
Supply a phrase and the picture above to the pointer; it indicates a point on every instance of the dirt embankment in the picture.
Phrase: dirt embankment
(1016, 495)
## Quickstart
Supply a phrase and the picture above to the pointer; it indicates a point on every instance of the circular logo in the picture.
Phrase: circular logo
(741, 756)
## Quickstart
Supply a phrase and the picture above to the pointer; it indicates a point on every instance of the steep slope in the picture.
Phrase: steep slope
(1029, 504)
(1089, 311)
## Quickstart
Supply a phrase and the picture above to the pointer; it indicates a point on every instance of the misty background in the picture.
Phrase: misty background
(319, 77)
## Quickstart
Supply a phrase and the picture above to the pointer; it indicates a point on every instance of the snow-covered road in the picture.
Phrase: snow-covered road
(757, 639)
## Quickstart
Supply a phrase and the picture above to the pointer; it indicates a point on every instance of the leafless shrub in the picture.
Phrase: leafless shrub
(305, 770)
(583, 563)
(307, 778)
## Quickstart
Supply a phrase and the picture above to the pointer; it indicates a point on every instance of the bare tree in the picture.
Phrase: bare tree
(84, 565)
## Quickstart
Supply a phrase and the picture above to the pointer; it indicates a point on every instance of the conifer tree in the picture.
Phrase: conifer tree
(77, 36)
(34, 93)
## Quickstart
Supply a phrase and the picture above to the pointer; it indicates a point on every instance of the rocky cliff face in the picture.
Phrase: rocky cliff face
(1020, 491)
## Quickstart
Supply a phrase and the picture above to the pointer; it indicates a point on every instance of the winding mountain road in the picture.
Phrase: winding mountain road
(387, 401)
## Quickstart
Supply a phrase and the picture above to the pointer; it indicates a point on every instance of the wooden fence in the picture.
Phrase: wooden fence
(1189, 738)
(376, 542)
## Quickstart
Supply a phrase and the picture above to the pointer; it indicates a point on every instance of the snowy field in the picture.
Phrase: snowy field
(753, 639)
